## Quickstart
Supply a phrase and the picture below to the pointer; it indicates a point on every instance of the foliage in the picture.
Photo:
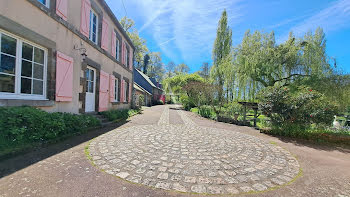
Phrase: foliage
(205, 71)
(119, 114)
(140, 44)
(302, 106)
(221, 50)
(170, 69)
(21, 125)
(141, 100)
(156, 68)
(187, 103)
(182, 69)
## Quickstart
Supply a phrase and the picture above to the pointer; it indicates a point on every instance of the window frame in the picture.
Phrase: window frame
(117, 90)
(126, 91)
(117, 48)
(18, 71)
(92, 11)
(47, 3)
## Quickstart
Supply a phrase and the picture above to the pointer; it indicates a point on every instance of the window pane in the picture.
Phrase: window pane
(38, 71)
(37, 87)
(27, 52)
(87, 86)
(42, 1)
(26, 68)
(93, 37)
(8, 45)
(26, 86)
(87, 74)
(7, 83)
(94, 19)
(91, 75)
(39, 56)
(7, 64)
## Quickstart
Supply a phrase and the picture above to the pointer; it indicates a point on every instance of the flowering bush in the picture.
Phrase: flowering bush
(302, 106)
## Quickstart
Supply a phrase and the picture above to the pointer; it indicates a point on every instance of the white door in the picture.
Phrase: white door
(90, 89)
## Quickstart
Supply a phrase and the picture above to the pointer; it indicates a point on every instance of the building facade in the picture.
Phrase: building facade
(64, 56)
(150, 85)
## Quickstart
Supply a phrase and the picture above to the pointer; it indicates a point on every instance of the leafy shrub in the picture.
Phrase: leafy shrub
(142, 100)
(302, 106)
(187, 103)
(27, 124)
(160, 102)
(123, 114)
(113, 115)
(207, 112)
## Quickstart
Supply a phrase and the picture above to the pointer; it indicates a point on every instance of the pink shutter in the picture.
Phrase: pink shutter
(64, 77)
(62, 9)
(123, 53)
(103, 97)
(114, 44)
(122, 91)
(111, 88)
(130, 92)
(105, 37)
(85, 17)
(131, 59)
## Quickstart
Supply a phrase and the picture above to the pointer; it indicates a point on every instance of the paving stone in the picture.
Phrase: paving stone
(189, 179)
(199, 189)
(179, 187)
(163, 176)
(190, 158)
(259, 187)
(123, 175)
(214, 190)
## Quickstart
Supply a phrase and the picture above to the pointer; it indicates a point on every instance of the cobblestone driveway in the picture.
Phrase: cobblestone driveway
(190, 158)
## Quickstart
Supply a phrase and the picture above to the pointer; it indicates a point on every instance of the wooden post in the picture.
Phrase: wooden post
(255, 116)
(245, 114)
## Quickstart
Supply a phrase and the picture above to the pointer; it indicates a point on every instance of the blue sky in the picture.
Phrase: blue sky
(184, 30)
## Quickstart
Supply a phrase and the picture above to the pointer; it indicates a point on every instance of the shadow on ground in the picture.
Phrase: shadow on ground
(19, 162)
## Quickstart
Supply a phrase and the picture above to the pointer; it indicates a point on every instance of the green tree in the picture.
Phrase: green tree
(221, 49)
(205, 71)
(140, 44)
(170, 69)
(182, 69)
(156, 67)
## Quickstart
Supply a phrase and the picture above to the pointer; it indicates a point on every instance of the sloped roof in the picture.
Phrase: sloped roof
(146, 77)
(139, 88)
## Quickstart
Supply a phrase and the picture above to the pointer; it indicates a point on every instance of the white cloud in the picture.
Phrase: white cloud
(188, 25)
(332, 18)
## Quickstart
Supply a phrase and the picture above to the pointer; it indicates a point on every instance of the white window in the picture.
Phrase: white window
(22, 68)
(117, 49)
(90, 78)
(93, 26)
(116, 90)
(45, 2)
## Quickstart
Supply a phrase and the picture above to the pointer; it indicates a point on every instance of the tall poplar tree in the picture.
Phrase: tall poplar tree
(221, 50)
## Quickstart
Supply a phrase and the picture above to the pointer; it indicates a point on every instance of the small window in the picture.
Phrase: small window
(93, 26)
(116, 90)
(45, 2)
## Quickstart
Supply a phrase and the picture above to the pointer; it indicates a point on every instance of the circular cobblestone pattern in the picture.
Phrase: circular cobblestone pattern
(190, 158)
